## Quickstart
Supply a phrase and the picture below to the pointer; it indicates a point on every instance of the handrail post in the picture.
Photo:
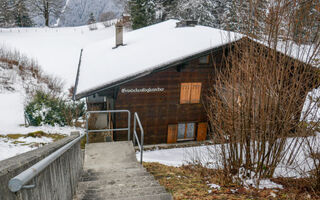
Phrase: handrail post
(142, 138)
(129, 120)
(87, 133)
(134, 130)
(137, 119)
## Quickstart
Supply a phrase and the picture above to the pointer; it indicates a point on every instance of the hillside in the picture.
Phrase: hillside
(19, 78)
(57, 50)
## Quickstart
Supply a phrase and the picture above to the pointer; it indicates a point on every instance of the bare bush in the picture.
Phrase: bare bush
(28, 69)
(107, 16)
(256, 105)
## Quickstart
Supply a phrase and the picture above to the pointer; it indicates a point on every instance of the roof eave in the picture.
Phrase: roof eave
(122, 81)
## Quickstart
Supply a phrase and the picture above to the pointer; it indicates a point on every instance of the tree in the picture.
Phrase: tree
(46, 8)
(6, 13)
(107, 16)
(307, 21)
(21, 14)
(245, 15)
(92, 22)
(261, 97)
(203, 11)
(142, 13)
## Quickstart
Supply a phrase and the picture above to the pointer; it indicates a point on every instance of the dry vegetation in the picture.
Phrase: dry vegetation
(192, 182)
(29, 71)
(14, 138)
(257, 101)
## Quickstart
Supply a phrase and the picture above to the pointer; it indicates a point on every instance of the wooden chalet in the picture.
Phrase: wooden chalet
(162, 72)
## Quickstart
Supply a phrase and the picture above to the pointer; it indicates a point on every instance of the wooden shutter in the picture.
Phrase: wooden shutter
(185, 93)
(202, 131)
(172, 133)
(195, 93)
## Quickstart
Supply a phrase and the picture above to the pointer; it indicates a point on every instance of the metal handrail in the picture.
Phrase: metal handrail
(135, 136)
(19, 181)
(104, 130)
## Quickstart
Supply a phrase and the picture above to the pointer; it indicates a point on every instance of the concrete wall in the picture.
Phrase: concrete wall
(58, 181)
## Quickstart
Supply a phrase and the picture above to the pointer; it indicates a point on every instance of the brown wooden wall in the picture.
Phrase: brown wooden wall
(159, 109)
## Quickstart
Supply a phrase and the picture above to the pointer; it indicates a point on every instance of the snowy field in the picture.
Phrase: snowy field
(57, 50)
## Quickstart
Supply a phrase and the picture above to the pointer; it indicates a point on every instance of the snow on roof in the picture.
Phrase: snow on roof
(145, 50)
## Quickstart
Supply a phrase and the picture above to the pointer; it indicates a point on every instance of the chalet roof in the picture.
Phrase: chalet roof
(145, 50)
(156, 47)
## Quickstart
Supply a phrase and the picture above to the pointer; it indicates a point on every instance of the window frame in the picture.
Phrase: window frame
(190, 93)
(207, 60)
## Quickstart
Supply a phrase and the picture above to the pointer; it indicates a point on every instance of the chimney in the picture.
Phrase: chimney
(119, 33)
(187, 23)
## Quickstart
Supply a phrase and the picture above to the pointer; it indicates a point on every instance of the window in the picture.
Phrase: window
(204, 60)
(190, 93)
(187, 131)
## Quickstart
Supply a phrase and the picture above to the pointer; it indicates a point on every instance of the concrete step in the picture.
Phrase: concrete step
(124, 193)
(162, 196)
(108, 176)
(118, 167)
(115, 181)
(99, 186)
(111, 171)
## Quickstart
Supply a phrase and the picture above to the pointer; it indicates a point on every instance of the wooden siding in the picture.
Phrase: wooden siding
(159, 109)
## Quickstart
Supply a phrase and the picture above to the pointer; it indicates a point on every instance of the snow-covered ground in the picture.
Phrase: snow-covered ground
(205, 154)
(208, 156)
(11, 122)
(57, 50)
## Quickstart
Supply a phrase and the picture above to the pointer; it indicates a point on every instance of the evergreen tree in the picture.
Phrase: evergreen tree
(203, 11)
(92, 22)
(142, 13)
(91, 19)
(165, 9)
(245, 16)
(21, 14)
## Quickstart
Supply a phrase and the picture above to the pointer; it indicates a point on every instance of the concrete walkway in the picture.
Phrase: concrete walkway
(111, 171)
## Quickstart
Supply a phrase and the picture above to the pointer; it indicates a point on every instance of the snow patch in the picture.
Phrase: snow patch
(214, 186)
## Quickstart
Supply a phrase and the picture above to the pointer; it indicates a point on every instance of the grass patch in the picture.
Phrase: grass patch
(18, 142)
(14, 136)
(55, 136)
(192, 182)
(39, 134)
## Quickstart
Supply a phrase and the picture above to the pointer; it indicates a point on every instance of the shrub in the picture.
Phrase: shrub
(257, 99)
(45, 108)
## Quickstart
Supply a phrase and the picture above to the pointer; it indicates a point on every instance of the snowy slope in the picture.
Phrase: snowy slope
(57, 50)
(14, 87)
(15, 83)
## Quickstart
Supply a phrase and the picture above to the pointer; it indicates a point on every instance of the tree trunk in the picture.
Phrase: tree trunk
(46, 14)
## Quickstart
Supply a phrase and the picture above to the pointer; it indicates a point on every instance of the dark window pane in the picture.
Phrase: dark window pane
(190, 130)
(181, 130)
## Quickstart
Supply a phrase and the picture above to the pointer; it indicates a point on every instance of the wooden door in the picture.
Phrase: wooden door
(172, 133)
(202, 131)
